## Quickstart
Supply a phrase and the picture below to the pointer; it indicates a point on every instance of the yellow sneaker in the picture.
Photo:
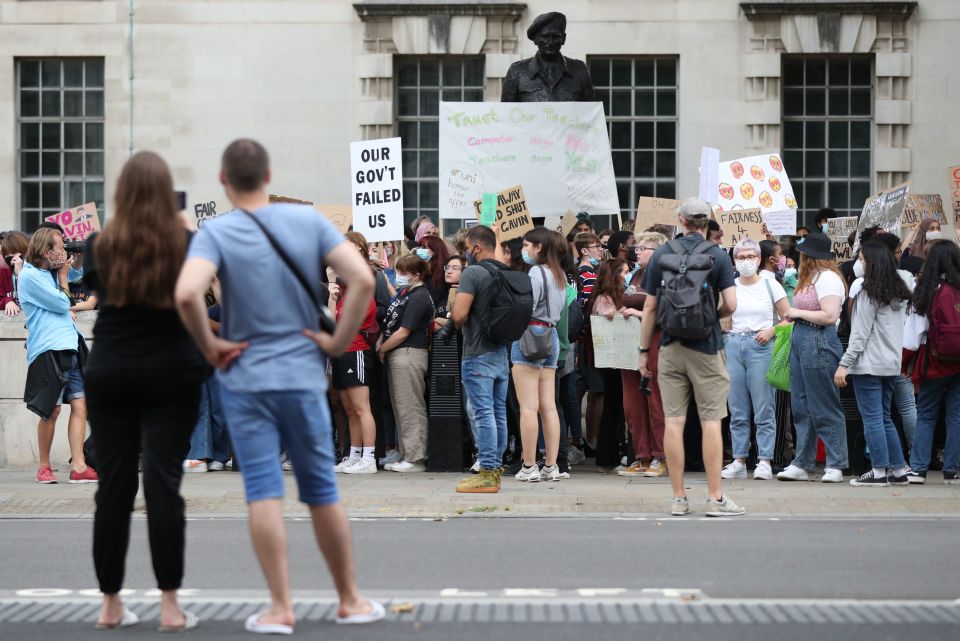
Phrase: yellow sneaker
(485, 482)
(657, 469)
(634, 469)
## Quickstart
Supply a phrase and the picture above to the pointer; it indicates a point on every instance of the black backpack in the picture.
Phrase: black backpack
(574, 320)
(509, 307)
(686, 302)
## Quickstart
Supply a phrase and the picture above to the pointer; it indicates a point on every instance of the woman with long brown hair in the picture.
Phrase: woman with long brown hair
(143, 386)
(815, 353)
(433, 250)
(534, 370)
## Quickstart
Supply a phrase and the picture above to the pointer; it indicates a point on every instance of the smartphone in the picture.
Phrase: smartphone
(181, 200)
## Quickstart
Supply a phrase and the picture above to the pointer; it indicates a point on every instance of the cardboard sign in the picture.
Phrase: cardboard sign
(885, 209)
(207, 210)
(840, 229)
(340, 215)
(292, 201)
(377, 188)
(954, 195)
(513, 219)
(78, 223)
(755, 182)
(918, 208)
(738, 224)
(616, 343)
(567, 223)
(656, 211)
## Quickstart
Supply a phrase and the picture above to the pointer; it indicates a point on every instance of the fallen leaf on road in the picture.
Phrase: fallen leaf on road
(402, 608)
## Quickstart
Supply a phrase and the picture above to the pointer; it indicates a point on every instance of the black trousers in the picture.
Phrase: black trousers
(134, 409)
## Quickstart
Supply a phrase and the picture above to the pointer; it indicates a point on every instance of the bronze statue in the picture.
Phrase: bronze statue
(548, 76)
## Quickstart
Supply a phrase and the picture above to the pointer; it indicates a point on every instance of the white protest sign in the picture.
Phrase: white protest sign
(558, 151)
(377, 185)
(781, 223)
(759, 182)
(709, 174)
(616, 343)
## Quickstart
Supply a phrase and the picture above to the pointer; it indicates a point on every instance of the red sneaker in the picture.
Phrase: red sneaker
(45, 476)
(86, 476)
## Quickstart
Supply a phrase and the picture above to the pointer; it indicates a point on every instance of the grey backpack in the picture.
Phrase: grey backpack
(686, 302)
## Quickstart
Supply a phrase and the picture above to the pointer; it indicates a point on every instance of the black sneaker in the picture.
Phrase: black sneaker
(950, 478)
(917, 478)
(898, 480)
(869, 480)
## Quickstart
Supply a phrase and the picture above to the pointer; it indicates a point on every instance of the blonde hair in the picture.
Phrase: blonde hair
(654, 237)
(42, 241)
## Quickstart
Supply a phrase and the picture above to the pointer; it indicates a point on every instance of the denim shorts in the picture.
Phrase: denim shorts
(73, 383)
(550, 362)
(299, 419)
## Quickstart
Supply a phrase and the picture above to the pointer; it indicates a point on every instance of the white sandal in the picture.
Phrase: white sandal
(377, 613)
(128, 619)
(190, 621)
(254, 625)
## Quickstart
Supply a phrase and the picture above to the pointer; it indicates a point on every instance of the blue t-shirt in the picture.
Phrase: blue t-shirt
(46, 310)
(262, 301)
(721, 277)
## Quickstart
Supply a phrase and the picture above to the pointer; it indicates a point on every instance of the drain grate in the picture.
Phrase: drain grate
(622, 611)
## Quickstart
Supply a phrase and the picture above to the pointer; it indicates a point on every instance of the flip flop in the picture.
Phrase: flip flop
(190, 621)
(377, 613)
(253, 625)
(128, 619)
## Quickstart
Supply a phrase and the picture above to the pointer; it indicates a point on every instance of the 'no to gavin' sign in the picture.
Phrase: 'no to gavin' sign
(377, 177)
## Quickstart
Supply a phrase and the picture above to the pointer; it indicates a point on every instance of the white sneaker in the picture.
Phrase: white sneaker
(793, 473)
(724, 507)
(363, 466)
(215, 466)
(548, 473)
(831, 475)
(680, 506)
(191, 465)
(735, 470)
(763, 471)
(575, 455)
(475, 468)
(346, 462)
(393, 456)
(406, 466)
(528, 474)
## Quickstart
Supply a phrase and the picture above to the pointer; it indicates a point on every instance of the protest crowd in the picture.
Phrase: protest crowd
(761, 360)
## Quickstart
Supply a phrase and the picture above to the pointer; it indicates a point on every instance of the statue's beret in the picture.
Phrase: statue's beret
(543, 20)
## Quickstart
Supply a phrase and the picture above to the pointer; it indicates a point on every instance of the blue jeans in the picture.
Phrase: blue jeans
(906, 401)
(747, 364)
(299, 419)
(815, 400)
(210, 440)
(485, 379)
(932, 394)
(875, 398)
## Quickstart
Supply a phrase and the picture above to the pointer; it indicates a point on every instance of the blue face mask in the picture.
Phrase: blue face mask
(801, 239)
(423, 253)
(527, 259)
(825, 228)
(402, 281)
(470, 258)
(594, 261)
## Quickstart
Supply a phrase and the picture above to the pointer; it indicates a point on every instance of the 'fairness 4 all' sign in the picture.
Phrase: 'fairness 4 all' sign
(377, 177)
(78, 223)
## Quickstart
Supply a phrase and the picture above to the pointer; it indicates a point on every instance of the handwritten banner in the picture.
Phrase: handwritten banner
(781, 223)
(755, 182)
(884, 210)
(377, 188)
(656, 211)
(512, 218)
(559, 152)
(78, 223)
(738, 224)
(839, 232)
(616, 343)
(954, 187)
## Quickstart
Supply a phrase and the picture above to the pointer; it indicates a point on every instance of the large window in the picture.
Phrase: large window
(827, 116)
(422, 82)
(639, 96)
(60, 142)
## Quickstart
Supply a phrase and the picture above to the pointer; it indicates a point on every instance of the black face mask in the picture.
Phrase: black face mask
(470, 258)
(632, 254)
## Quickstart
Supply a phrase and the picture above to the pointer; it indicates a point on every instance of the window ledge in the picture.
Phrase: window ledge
(372, 9)
(754, 10)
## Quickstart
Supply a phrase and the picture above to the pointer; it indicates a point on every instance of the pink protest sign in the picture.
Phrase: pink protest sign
(78, 223)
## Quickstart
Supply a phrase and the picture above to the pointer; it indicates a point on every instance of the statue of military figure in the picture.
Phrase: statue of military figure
(548, 76)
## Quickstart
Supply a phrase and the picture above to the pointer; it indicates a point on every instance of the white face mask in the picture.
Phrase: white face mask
(858, 270)
(934, 234)
(747, 267)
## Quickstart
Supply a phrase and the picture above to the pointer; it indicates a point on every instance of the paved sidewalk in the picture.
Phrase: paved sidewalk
(588, 493)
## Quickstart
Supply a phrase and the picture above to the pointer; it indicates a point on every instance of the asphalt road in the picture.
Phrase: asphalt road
(535, 561)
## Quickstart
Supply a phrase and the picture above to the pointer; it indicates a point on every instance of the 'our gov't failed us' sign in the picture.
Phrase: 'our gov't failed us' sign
(377, 189)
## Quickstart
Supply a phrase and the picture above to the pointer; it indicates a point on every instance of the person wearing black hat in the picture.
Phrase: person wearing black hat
(815, 353)
(548, 76)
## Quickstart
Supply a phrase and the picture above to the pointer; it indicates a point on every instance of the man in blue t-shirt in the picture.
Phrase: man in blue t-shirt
(273, 368)
(694, 367)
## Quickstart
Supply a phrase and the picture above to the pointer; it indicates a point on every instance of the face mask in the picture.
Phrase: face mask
(527, 258)
(747, 267)
(790, 273)
(934, 235)
(782, 264)
(471, 260)
(423, 253)
(825, 228)
(626, 283)
(593, 261)
(372, 257)
(858, 269)
(801, 239)
(56, 260)
(388, 251)
(402, 281)
(632, 254)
